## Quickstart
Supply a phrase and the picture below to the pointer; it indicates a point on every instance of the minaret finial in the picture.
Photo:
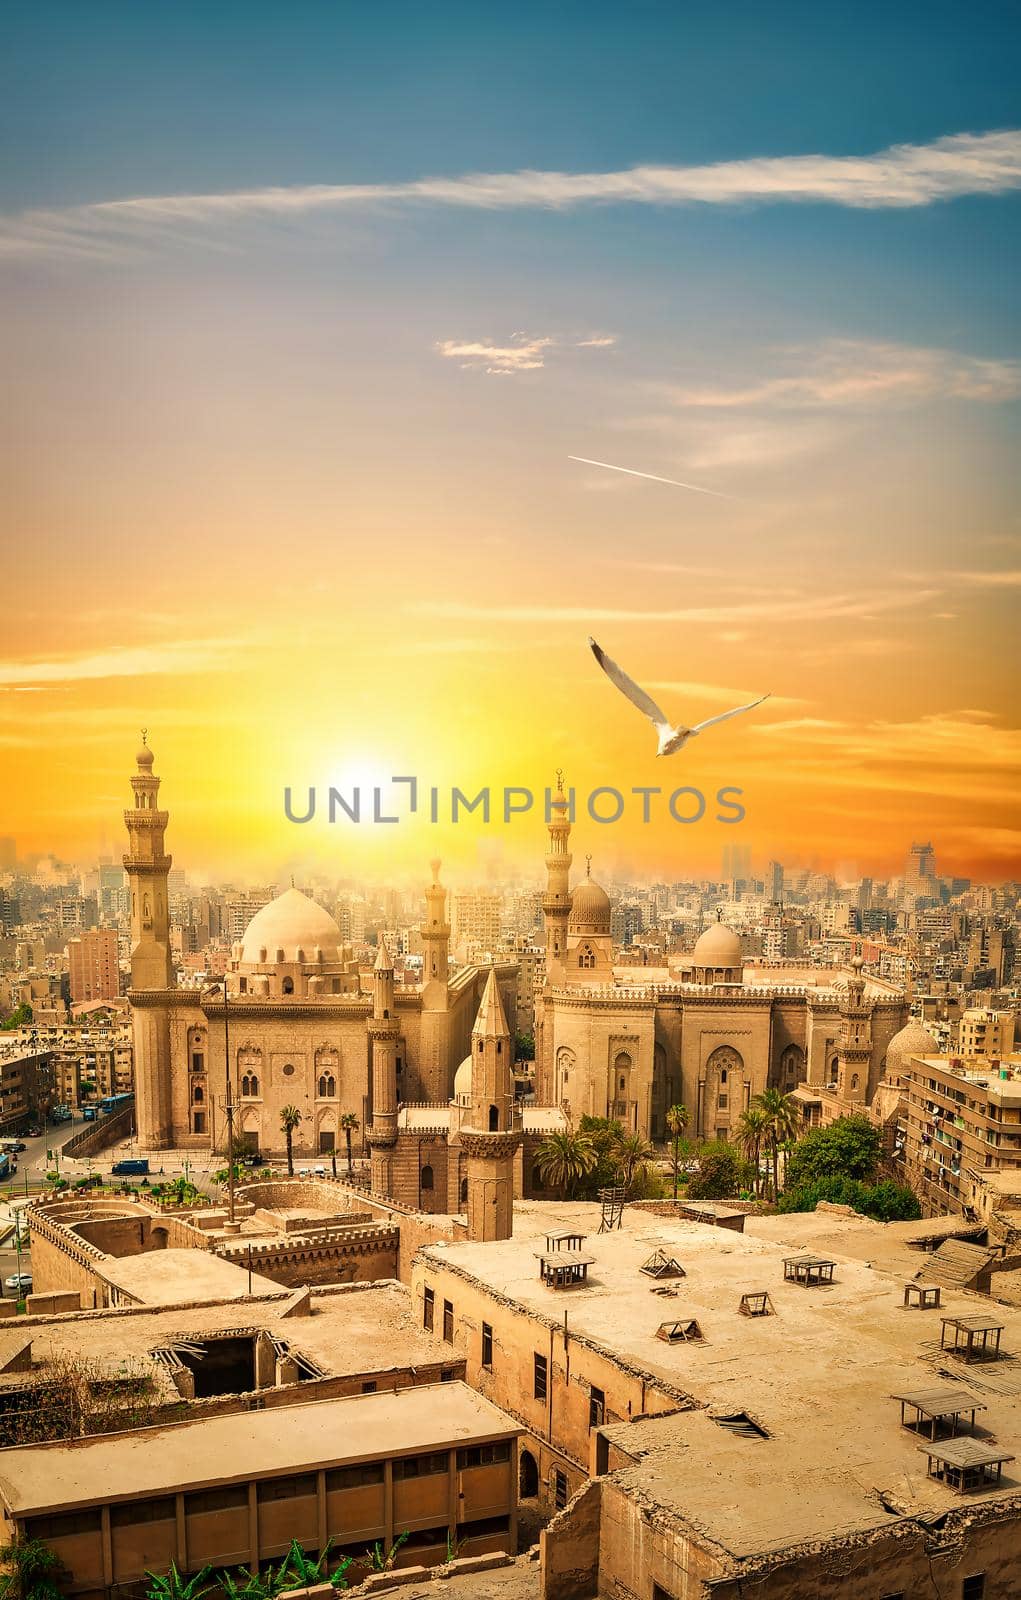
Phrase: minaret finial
(588, 866)
(145, 736)
(560, 780)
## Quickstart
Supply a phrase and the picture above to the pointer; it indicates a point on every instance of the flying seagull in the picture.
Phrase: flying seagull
(671, 739)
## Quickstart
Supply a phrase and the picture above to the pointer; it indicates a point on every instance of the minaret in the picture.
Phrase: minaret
(434, 1068)
(491, 1134)
(152, 967)
(854, 1052)
(385, 1036)
(556, 902)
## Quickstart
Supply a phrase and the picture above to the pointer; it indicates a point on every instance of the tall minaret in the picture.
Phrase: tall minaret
(432, 1079)
(385, 1036)
(556, 902)
(152, 967)
(854, 1052)
(490, 1136)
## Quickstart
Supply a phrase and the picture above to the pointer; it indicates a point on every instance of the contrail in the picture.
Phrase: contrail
(677, 484)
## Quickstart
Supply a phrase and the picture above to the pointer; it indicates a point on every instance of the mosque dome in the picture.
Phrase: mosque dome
(290, 923)
(718, 946)
(145, 758)
(590, 909)
(463, 1080)
(912, 1040)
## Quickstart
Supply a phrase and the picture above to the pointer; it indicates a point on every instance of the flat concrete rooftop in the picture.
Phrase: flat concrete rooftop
(818, 1376)
(233, 1449)
(171, 1277)
(351, 1329)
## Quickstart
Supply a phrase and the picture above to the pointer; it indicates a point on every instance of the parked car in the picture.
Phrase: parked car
(13, 1146)
(20, 1282)
(131, 1168)
(33, 1132)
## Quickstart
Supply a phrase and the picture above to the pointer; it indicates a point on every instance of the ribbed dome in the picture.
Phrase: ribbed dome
(590, 909)
(290, 923)
(719, 946)
(912, 1040)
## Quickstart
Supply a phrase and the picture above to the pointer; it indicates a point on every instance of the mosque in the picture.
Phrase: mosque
(428, 1070)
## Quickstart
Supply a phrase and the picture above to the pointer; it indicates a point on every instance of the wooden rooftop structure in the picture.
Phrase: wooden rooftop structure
(808, 1270)
(564, 1269)
(966, 1464)
(935, 1406)
(974, 1338)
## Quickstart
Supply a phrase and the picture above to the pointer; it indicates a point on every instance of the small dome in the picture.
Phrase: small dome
(145, 758)
(590, 908)
(912, 1040)
(719, 946)
(290, 924)
(463, 1080)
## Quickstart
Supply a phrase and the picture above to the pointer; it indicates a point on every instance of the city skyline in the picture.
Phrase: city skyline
(300, 369)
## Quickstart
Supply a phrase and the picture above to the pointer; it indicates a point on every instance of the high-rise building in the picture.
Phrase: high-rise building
(774, 882)
(921, 863)
(92, 959)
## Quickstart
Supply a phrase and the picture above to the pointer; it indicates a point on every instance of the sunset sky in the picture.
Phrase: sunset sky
(304, 310)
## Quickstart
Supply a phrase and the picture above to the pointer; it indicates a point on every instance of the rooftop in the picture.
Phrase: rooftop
(350, 1329)
(817, 1376)
(175, 1277)
(230, 1449)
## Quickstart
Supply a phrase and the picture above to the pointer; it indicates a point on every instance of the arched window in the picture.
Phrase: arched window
(854, 1083)
(463, 1191)
(494, 1120)
(288, 986)
(249, 1086)
(426, 1178)
(586, 956)
(198, 1094)
(834, 1069)
(327, 1086)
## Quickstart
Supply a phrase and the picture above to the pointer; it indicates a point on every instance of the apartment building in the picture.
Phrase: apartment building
(962, 1122)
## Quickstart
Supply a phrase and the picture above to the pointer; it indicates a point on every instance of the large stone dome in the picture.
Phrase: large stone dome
(912, 1040)
(590, 909)
(291, 923)
(463, 1082)
(719, 946)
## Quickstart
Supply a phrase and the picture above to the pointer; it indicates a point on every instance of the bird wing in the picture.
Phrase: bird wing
(629, 687)
(708, 723)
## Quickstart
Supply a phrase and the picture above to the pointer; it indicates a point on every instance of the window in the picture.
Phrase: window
(62, 1527)
(286, 1488)
(484, 1528)
(487, 1346)
(559, 1488)
(198, 1122)
(421, 1466)
(426, 1178)
(483, 1455)
(232, 1499)
(974, 1588)
(596, 1408)
(357, 1477)
(723, 1074)
(327, 1086)
(198, 1061)
(369, 1387)
(448, 1321)
(586, 957)
(198, 1093)
(540, 1377)
(427, 1310)
(249, 1086)
(446, 1374)
(136, 1512)
(288, 986)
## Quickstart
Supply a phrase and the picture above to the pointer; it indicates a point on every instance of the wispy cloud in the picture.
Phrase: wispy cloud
(848, 372)
(1010, 579)
(123, 661)
(807, 608)
(522, 354)
(901, 175)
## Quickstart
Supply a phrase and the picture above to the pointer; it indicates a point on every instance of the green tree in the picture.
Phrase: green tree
(750, 1134)
(782, 1126)
(173, 1585)
(885, 1201)
(720, 1173)
(524, 1047)
(633, 1154)
(290, 1118)
(565, 1159)
(350, 1124)
(850, 1147)
(677, 1119)
(29, 1570)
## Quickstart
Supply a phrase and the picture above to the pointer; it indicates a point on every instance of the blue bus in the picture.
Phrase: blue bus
(5, 1164)
(115, 1102)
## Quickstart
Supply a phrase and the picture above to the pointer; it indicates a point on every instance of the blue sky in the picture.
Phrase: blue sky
(208, 388)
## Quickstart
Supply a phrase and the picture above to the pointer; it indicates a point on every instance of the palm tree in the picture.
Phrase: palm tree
(782, 1113)
(751, 1132)
(563, 1159)
(290, 1118)
(173, 1585)
(350, 1124)
(677, 1119)
(632, 1153)
(30, 1570)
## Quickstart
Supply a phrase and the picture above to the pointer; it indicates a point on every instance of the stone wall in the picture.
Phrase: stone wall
(569, 1548)
(352, 1255)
